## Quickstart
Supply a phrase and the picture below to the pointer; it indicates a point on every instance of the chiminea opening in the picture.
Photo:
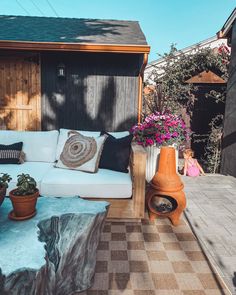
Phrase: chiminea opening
(162, 204)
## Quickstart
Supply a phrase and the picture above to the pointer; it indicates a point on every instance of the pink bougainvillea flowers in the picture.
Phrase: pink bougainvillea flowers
(161, 129)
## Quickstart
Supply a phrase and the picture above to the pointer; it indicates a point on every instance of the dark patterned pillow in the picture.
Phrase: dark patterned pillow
(11, 154)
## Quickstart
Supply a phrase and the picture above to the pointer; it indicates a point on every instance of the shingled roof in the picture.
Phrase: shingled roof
(70, 30)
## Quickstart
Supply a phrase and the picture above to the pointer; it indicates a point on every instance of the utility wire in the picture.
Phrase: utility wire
(22, 7)
(36, 6)
(53, 9)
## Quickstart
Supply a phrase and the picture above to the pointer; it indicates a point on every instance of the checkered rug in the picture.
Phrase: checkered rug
(152, 258)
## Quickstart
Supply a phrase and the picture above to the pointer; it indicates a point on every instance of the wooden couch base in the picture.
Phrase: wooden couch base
(121, 209)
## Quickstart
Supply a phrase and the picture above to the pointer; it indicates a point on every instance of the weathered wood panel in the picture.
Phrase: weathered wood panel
(99, 92)
(19, 93)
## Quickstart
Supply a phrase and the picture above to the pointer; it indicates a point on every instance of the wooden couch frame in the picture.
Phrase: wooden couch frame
(134, 207)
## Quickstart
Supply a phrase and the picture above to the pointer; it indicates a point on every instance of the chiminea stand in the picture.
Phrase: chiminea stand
(166, 198)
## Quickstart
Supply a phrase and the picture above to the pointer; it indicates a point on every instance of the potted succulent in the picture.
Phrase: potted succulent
(157, 130)
(4, 180)
(24, 197)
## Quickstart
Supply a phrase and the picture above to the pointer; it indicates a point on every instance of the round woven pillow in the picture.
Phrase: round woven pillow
(78, 150)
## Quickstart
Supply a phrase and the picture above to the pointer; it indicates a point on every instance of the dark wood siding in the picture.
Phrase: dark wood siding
(99, 92)
(228, 163)
(204, 110)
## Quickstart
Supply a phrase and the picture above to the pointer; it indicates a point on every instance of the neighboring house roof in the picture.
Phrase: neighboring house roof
(156, 64)
(70, 31)
(227, 27)
(206, 77)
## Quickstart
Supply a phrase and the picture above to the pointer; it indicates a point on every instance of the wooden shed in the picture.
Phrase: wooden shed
(70, 73)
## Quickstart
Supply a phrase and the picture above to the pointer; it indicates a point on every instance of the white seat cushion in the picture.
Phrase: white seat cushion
(38, 146)
(103, 184)
(36, 169)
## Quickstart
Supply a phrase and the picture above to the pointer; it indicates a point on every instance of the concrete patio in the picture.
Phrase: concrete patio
(211, 212)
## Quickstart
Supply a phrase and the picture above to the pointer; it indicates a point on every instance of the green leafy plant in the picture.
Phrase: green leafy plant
(4, 180)
(171, 92)
(26, 185)
(213, 145)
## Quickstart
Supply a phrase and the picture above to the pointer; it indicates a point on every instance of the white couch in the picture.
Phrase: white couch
(43, 148)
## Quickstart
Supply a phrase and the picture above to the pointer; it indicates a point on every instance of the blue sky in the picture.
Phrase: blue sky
(183, 22)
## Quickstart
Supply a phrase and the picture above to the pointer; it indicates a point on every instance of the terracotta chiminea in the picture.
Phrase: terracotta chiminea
(166, 197)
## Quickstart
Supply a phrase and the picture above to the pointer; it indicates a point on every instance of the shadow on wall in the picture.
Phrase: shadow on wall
(234, 279)
(5, 120)
(98, 92)
(229, 140)
(75, 112)
(6, 116)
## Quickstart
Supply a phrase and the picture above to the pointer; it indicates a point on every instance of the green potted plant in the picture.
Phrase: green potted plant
(24, 197)
(4, 180)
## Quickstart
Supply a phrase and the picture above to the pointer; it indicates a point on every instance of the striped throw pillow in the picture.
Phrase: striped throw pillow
(11, 154)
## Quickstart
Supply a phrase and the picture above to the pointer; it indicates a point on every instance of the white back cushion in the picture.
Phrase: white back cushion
(38, 146)
(63, 136)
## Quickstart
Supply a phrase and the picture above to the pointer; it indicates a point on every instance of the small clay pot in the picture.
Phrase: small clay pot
(2, 194)
(24, 205)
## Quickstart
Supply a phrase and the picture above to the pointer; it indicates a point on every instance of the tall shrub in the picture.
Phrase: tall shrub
(171, 92)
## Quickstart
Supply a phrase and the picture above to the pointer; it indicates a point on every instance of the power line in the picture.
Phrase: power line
(53, 9)
(36, 6)
(22, 7)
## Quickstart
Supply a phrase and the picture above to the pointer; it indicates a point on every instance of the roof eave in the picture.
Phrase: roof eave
(226, 29)
(84, 47)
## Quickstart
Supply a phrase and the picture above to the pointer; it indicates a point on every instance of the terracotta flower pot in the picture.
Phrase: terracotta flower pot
(2, 194)
(23, 205)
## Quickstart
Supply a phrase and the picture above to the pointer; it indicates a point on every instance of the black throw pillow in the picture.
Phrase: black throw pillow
(116, 153)
(10, 154)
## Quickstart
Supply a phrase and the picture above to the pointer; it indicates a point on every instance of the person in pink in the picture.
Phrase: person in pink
(191, 166)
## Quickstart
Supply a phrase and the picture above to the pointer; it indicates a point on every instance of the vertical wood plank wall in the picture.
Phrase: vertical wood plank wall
(19, 93)
(99, 92)
(228, 163)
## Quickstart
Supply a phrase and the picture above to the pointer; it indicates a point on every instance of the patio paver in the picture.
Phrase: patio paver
(211, 212)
